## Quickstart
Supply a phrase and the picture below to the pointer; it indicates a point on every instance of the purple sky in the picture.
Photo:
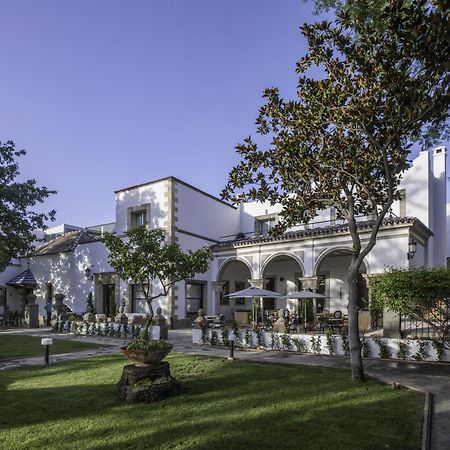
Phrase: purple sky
(105, 94)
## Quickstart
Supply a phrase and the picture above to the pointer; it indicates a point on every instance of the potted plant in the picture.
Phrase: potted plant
(144, 351)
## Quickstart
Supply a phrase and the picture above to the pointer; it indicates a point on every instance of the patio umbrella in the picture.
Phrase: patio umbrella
(253, 292)
(302, 295)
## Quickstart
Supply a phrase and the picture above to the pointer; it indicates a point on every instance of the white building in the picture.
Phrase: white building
(315, 255)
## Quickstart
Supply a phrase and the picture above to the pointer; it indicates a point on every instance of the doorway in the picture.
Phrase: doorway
(109, 300)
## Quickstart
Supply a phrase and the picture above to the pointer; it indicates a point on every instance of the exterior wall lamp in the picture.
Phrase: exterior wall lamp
(88, 273)
(412, 248)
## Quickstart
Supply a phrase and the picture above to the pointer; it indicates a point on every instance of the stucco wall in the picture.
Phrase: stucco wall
(203, 215)
(154, 194)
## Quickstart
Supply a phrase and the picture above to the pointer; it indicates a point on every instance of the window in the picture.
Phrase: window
(138, 303)
(264, 225)
(138, 218)
(194, 298)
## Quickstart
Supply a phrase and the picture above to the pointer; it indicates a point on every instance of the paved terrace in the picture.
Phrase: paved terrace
(429, 377)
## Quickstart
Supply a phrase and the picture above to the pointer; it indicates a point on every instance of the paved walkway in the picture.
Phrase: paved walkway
(430, 377)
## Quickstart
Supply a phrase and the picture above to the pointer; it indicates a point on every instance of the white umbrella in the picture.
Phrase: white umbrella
(304, 294)
(253, 292)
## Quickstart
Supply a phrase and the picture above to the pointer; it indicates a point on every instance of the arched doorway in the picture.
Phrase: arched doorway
(235, 275)
(281, 274)
(332, 271)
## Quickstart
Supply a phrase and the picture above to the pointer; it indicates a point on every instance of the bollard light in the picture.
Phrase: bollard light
(47, 342)
(231, 339)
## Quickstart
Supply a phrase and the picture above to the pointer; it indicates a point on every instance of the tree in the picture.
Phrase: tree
(344, 142)
(17, 220)
(422, 294)
(145, 256)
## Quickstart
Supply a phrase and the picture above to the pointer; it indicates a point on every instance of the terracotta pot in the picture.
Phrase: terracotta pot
(146, 357)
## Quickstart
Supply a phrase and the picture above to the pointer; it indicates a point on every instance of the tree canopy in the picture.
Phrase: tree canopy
(422, 294)
(344, 141)
(144, 255)
(17, 219)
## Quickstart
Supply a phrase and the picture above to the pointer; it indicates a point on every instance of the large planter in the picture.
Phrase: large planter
(146, 357)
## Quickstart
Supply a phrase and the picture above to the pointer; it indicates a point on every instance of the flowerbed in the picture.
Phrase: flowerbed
(324, 344)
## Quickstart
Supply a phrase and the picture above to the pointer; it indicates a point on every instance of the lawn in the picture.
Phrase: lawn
(13, 346)
(225, 405)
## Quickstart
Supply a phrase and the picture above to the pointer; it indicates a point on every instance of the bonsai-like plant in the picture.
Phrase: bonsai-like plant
(145, 256)
(142, 342)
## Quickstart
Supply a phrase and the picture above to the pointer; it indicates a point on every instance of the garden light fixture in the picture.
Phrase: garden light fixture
(47, 342)
(231, 339)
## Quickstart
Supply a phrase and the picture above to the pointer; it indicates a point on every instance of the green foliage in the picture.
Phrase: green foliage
(346, 345)
(422, 352)
(330, 341)
(286, 341)
(145, 256)
(259, 338)
(214, 339)
(274, 340)
(385, 351)
(422, 294)
(142, 342)
(300, 345)
(316, 345)
(247, 338)
(365, 350)
(403, 350)
(17, 220)
(439, 347)
(89, 304)
(225, 341)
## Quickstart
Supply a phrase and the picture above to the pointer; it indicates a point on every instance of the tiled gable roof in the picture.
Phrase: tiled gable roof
(320, 231)
(24, 279)
(66, 243)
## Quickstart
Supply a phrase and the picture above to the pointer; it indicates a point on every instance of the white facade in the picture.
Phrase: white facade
(311, 256)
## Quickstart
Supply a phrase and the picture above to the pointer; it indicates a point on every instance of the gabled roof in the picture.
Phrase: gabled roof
(24, 279)
(323, 231)
(65, 243)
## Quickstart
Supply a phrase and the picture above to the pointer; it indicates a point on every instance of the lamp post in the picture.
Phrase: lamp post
(231, 339)
(47, 342)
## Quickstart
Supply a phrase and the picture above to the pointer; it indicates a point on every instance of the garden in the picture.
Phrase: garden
(75, 403)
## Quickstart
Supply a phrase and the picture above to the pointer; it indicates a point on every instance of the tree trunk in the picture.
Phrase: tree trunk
(356, 362)
(150, 318)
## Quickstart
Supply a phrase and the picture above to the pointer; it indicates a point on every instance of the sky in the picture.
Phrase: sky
(105, 94)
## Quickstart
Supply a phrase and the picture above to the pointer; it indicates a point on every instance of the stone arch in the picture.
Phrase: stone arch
(331, 272)
(277, 255)
(230, 260)
(332, 250)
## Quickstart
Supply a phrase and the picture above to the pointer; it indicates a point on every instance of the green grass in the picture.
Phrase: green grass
(12, 346)
(224, 406)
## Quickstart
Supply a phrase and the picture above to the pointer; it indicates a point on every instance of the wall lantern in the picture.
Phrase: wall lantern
(412, 248)
(47, 342)
(88, 273)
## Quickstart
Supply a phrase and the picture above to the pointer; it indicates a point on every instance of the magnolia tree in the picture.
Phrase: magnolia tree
(17, 221)
(144, 256)
(422, 294)
(343, 142)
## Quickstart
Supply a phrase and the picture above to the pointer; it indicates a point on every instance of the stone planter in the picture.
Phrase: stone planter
(146, 357)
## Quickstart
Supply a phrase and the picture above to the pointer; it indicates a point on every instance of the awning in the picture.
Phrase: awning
(24, 279)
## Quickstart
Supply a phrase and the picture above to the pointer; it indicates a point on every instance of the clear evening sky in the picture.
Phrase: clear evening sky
(105, 94)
